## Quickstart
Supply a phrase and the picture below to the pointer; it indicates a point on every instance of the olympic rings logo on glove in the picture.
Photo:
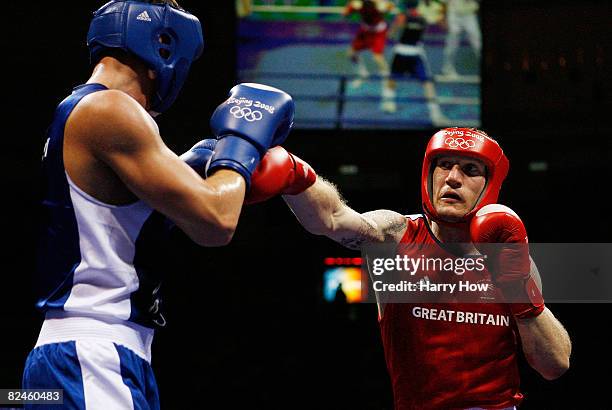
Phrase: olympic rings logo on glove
(459, 143)
(246, 113)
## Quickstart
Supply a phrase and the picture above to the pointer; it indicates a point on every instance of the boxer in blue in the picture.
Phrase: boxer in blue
(112, 190)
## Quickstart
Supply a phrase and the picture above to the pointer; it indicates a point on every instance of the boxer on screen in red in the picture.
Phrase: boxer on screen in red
(435, 360)
(372, 35)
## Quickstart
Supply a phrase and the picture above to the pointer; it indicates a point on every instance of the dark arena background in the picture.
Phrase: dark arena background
(248, 326)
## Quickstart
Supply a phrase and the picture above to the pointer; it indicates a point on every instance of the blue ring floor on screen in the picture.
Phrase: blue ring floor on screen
(316, 71)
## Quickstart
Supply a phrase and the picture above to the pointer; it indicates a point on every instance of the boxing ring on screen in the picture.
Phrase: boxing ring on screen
(302, 46)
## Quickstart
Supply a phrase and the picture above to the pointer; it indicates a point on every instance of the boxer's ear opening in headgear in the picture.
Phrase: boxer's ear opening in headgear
(468, 142)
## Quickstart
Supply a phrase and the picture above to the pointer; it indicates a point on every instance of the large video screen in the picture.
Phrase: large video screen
(366, 64)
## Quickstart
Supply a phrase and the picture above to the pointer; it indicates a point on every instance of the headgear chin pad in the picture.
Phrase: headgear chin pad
(468, 142)
(166, 39)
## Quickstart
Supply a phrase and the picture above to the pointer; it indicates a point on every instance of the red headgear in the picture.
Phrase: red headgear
(468, 142)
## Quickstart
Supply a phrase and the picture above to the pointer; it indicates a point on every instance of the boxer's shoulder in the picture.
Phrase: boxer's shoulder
(110, 115)
(390, 223)
(114, 106)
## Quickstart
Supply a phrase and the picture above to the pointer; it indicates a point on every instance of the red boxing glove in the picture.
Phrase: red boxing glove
(279, 173)
(509, 260)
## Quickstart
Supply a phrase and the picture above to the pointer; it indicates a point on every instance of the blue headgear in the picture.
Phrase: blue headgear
(168, 40)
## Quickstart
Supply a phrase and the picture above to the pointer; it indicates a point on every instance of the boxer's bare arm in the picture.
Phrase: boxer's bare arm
(546, 344)
(348, 9)
(397, 23)
(545, 341)
(321, 210)
(117, 131)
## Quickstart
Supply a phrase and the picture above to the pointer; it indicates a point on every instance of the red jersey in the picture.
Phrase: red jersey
(449, 355)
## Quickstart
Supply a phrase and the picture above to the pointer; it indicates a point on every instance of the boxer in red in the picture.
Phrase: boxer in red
(448, 355)
(372, 35)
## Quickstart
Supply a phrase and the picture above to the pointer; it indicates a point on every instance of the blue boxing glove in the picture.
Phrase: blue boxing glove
(199, 155)
(254, 118)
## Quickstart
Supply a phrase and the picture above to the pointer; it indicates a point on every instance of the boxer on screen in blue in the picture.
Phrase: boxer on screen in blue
(112, 191)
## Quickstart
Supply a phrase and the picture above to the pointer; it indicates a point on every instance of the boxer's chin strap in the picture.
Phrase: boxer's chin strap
(442, 221)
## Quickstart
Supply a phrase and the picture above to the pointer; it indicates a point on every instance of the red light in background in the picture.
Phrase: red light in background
(342, 261)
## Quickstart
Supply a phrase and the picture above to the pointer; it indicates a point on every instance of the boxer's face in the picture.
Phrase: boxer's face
(457, 183)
